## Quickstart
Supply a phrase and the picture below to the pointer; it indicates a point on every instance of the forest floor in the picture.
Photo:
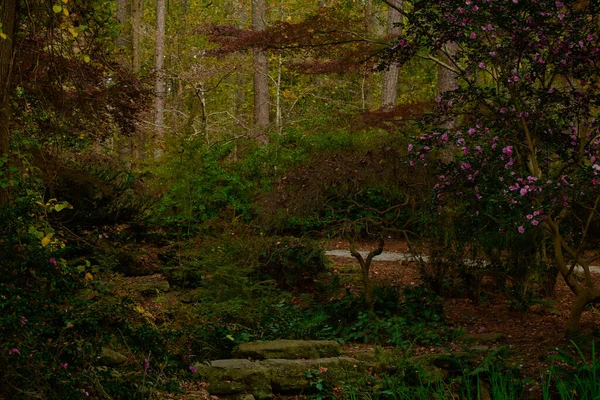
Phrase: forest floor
(532, 335)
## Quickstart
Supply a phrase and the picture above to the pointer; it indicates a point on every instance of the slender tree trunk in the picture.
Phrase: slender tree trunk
(389, 89)
(123, 14)
(136, 22)
(160, 74)
(8, 13)
(261, 73)
(367, 84)
(365, 268)
(447, 81)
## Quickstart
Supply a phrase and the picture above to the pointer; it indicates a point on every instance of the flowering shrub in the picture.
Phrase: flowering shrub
(525, 132)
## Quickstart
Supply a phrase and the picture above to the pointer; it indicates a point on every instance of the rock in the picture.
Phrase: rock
(485, 337)
(289, 376)
(111, 358)
(289, 349)
(236, 377)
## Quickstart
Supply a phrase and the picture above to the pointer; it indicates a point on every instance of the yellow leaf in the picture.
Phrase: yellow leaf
(46, 240)
(56, 8)
(65, 1)
(66, 12)
(89, 277)
(86, 58)
(73, 31)
(3, 35)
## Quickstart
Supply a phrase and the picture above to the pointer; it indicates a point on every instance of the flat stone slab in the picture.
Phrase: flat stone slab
(289, 349)
(237, 377)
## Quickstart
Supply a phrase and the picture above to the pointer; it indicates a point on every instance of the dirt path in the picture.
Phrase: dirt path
(398, 256)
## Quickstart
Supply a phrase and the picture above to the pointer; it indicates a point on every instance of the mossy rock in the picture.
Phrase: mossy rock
(290, 376)
(236, 377)
(289, 349)
(110, 358)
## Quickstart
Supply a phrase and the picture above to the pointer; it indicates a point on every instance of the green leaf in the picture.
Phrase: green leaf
(56, 8)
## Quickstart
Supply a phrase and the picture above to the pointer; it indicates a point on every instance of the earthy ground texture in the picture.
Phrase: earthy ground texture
(532, 335)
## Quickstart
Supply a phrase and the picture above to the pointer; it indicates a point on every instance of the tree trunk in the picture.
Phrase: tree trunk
(261, 74)
(365, 268)
(574, 321)
(136, 22)
(8, 13)
(389, 89)
(123, 13)
(367, 84)
(160, 75)
(447, 81)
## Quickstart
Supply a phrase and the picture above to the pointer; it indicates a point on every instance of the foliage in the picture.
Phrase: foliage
(68, 89)
(291, 263)
(521, 124)
(576, 376)
(418, 318)
(56, 313)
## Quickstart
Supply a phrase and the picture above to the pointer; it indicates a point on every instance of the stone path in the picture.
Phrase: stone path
(393, 256)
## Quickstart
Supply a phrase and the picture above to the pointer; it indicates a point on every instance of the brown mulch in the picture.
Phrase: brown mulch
(532, 335)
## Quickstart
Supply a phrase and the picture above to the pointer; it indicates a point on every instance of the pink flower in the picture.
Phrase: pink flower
(53, 262)
(535, 222)
(14, 350)
(529, 216)
(473, 35)
(64, 366)
(481, 65)
(146, 364)
(410, 147)
(23, 320)
(508, 150)
(521, 229)
(192, 369)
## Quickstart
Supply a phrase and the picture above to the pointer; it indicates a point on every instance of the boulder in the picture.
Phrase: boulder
(290, 376)
(289, 349)
(236, 377)
(111, 358)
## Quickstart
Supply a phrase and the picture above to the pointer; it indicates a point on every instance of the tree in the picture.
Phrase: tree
(261, 72)
(136, 22)
(159, 90)
(389, 89)
(527, 134)
(8, 12)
